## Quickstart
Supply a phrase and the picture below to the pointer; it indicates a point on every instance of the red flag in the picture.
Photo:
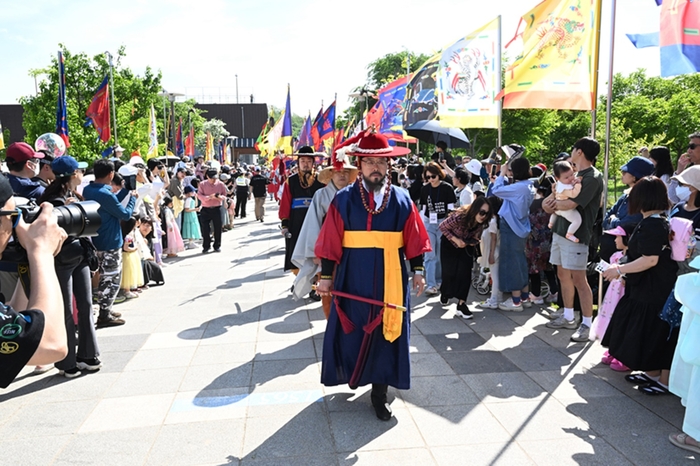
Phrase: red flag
(315, 137)
(189, 143)
(98, 111)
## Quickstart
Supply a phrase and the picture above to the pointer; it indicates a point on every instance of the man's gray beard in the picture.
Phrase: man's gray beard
(371, 185)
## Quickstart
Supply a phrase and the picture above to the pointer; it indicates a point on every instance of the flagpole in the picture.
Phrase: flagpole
(608, 114)
(500, 85)
(111, 91)
(596, 67)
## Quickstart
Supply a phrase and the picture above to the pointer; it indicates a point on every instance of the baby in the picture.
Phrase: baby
(566, 188)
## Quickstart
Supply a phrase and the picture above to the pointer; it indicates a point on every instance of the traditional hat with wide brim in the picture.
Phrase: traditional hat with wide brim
(339, 161)
(308, 151)
(373, 144)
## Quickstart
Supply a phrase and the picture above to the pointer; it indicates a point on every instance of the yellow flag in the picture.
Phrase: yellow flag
(556, 67)
(209, 150)
(2, 138)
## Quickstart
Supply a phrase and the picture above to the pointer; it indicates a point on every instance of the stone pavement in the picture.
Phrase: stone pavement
(220, 366)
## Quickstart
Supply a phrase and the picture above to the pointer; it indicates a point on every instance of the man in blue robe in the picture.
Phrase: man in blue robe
(370, 230)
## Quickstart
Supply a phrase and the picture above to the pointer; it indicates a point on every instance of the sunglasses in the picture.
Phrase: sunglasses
(12, 213)
(483, 213)
(431, 177)
(692, 146)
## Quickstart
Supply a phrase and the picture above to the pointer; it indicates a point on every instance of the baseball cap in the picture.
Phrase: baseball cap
(639, 167)
(190, 189)
(21, 152)
(66, 165)
(617, 231)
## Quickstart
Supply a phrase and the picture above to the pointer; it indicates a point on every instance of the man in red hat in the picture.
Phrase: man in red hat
(297, 193)
(370, 230)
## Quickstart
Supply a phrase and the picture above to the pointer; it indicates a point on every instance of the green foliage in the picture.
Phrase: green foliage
(133, 96)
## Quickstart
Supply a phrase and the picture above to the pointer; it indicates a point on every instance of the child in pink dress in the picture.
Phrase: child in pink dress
(175, 242)
(615, 291)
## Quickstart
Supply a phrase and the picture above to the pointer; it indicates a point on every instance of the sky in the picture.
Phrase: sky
(318, 47)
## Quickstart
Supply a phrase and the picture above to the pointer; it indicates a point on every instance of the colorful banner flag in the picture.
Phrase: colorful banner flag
(179, 148)
(315, 138)
(275, 133)
(421, 97)
(61, 112)
(556, 67)
(285, 140)
(152, 135)
(390, 110)
(97, 113)
(326, 124)
(679, 37)
(262, 137)
(209, 148)
(189, 143)
(469, 78)
(2, 138)
(305, 133)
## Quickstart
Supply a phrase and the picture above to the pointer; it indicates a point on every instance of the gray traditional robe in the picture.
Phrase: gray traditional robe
(303, 255)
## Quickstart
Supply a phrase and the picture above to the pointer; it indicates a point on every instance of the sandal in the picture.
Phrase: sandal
(679, 440)
(653, 389)
(639, 379)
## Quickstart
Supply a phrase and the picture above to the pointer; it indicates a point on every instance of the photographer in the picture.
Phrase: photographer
(73, 272)
(109, 240)
(35, 336)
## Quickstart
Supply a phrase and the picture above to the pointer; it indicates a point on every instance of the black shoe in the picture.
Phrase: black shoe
(205, 251)
(217, 249)
(380, 402)
(443, 300)
(109, 321)
(463, 311)
(93, 364)
(70, 373)
(314, 296)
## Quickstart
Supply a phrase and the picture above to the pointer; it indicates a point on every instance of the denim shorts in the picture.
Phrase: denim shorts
(567, 254)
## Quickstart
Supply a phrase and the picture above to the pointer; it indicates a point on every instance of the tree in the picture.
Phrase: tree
(133, 95)
(215, 127)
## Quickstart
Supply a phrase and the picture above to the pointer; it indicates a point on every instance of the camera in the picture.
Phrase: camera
(79, 219)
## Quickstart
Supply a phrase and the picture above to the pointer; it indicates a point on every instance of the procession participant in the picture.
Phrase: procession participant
(296, 198)
(258, 188)
(336, 177)
(370, 229)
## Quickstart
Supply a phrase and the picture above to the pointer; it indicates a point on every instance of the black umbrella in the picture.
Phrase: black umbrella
(431, 131)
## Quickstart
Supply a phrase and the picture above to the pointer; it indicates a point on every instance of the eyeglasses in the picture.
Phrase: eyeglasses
(483, 213)
(12, 213)
(431, 177)
(375, 163)
(692, 146)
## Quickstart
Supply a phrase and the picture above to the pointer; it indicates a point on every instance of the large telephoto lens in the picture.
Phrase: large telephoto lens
(79, 219)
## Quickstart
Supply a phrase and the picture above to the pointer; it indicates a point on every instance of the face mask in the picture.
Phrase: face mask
(683, 193)
(37, 168)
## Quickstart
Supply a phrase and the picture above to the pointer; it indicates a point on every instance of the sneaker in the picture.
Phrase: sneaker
(536, 299)
(70, 373)
(561, 322)
(509, 305)
(131, 295)
(41, 369)
(205, 251)
(92, 364)
(463, 311)
(526, 303)
(217, 249)
(109, 321)
(119, 299)
(581, 334)
(554, 314)
(431, 291)
(553, 297)
(443, 300)
(487, 305)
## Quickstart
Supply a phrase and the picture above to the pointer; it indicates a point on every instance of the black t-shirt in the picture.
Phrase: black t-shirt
(259, 184)
(20, 335)
(440, 200)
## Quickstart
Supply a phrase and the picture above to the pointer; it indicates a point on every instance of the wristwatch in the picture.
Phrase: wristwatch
(419, 272)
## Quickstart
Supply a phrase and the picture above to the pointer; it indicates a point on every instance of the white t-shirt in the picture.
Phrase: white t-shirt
(465, 197)
(486, 243)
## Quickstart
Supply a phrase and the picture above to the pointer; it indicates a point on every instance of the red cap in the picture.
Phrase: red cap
(21, 152)
(373, 144)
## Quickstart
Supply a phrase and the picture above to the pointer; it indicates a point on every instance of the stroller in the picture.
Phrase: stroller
(482, 283)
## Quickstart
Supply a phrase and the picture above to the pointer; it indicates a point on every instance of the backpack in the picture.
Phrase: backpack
(682, 238)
